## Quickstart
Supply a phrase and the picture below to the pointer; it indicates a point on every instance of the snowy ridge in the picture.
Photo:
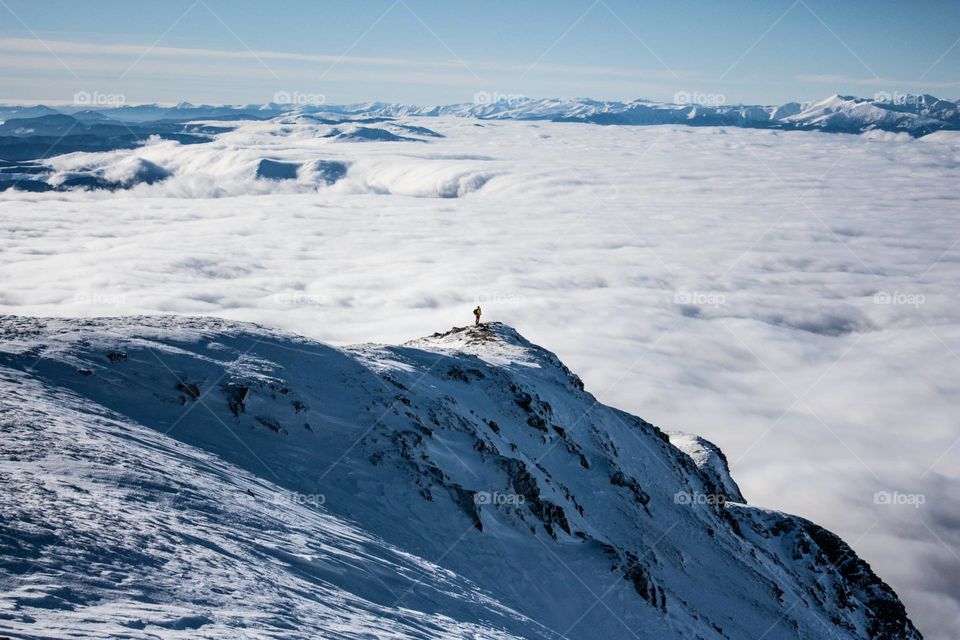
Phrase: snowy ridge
(192, 476)
(914, 114)
(710, 459)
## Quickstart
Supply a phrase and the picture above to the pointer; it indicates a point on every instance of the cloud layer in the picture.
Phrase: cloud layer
(791, 296)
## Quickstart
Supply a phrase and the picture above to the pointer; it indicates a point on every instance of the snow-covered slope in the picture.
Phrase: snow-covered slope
(196, 477)
(923, 115)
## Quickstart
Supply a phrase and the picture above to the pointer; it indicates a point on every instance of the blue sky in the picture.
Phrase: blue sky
(234, 51)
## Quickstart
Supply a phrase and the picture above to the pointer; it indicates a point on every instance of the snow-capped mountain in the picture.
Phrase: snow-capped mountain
(185, 477)
(924, 114)
(917, 115)
(914, 114)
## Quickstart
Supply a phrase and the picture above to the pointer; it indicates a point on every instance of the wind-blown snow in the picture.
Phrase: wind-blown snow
(549, 515)
(186, 544)
(791, 296)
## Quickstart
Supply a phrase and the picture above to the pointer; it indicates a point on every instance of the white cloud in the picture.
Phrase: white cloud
(135, 55)
(821, 390)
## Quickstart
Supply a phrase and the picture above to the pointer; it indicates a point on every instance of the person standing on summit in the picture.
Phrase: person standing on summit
(476, 316)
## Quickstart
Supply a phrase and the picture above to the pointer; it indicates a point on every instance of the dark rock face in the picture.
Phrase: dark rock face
(236, 395)
(888, 619)
(190, 389)
(618, 479)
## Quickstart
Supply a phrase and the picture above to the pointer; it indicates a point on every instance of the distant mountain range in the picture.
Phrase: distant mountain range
(32, 136)
(916, 115)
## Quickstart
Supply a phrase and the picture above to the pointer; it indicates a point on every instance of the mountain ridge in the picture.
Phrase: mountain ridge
(915, 115)
(472, 447)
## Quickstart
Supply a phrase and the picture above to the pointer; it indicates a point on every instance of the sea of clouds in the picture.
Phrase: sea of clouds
(794, 297)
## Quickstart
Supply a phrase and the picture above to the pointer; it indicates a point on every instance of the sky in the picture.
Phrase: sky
(413, 51)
